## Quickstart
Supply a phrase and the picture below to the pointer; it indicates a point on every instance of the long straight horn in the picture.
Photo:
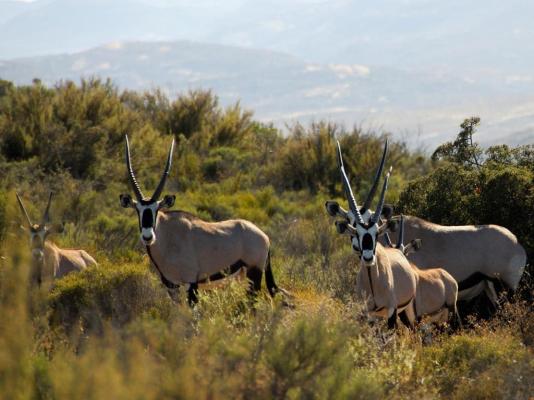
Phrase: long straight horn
(346, 186)
(24, 210)
(388, 240)
(131, 175)
(378, 211)
(400, 241)
(372, 192)
(46, 215)
(161, 185)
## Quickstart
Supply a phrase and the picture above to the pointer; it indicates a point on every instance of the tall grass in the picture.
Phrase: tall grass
(111, 332)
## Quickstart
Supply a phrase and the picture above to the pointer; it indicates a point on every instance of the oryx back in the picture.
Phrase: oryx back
(189, 249)
(463, 251)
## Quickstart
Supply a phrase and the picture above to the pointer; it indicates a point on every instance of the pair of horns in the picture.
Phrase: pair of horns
(46, 215)
(135, 185)
(357, 212)
(400, 241)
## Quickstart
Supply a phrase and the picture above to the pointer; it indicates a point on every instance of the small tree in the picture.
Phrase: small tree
(462, 150)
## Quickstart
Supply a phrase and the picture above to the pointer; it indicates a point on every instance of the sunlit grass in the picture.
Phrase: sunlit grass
(111, 332)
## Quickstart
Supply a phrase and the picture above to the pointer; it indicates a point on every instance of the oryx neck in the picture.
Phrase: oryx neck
(164, 280)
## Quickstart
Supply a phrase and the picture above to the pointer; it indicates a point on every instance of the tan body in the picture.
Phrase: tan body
(436, 294)
(393, 280)
(189, 249)
(464, 250)
(59, 262)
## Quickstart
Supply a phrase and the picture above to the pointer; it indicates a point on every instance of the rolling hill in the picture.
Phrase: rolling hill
(424, 107)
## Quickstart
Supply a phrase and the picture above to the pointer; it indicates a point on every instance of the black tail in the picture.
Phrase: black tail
(269, 278)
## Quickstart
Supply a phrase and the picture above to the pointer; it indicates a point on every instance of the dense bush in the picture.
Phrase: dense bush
(106, 293)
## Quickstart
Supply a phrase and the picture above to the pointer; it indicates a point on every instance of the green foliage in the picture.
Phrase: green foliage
(521, 156)
(462, 151)
(507, 199)
(469, 366)
(425, 198)
(87, 299)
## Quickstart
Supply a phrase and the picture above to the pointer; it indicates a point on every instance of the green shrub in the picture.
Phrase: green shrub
(470, 366)
(106, 292)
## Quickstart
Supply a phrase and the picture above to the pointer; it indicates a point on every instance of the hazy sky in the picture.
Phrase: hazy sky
(462, 57)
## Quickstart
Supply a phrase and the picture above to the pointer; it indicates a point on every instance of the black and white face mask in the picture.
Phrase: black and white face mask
(147, 208)
(147, 212)
(363, 239)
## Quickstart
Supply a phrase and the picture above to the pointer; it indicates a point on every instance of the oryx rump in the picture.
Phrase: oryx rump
(474, 255)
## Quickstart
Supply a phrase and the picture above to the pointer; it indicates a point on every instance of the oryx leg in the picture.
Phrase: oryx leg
(254, 275)
(192, 294)
(392, 318)
(36, 275)
(454, 318)
(476, 285)
(408, 317)
(269, 277)
(172, 288)
(489, 288)
(174, 294)
(405, 320)
(439, 317)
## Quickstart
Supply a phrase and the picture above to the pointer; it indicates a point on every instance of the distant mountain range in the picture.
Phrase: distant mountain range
(414, 67)
(488, 35)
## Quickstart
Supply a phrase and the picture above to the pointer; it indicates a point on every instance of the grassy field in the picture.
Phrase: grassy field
(112, 332)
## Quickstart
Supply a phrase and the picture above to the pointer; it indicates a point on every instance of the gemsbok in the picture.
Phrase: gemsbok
(50, 262)
(187, 250)
(477, 256)
(436, 290)
(386, 281)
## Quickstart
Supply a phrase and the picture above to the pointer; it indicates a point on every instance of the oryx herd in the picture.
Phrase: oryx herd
(440, 264)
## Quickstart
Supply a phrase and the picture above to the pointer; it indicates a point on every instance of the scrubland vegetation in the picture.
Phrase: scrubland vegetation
(112, 332)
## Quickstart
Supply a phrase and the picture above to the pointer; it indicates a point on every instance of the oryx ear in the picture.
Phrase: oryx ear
(344, 228)
(341, 226)
(168, 201)
(126, 200)
(332, 208)
(387, 211)
(412, 247)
